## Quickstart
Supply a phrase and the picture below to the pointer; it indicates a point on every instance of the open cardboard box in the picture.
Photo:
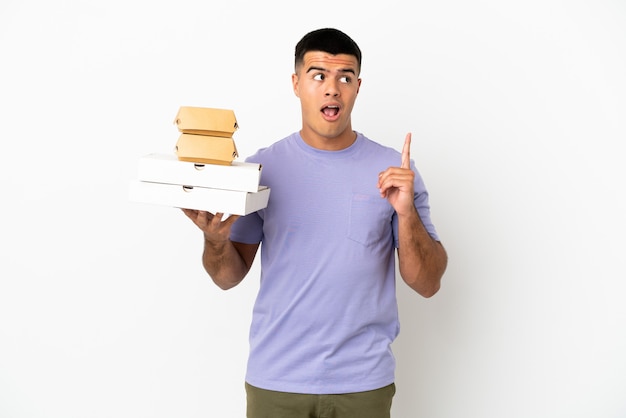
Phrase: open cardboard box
(206, 121)
(167, 168)
(199, 198)
(206, 149)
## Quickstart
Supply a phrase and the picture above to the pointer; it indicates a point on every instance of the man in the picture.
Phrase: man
(326, 312)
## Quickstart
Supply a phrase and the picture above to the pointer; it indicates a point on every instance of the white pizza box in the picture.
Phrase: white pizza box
(167, 168)
(232, 202)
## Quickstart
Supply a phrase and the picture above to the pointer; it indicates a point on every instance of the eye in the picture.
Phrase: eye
(345, 79)
(318, 77)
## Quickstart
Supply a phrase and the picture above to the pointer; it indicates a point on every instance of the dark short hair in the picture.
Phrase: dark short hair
(328, 40)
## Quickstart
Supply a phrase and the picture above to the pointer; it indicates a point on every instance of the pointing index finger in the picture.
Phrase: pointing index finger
(406, 152)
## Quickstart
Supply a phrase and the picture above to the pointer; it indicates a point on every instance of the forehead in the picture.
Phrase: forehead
(328, 61)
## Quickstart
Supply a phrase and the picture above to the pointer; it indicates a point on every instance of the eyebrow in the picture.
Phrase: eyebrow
(344, 70)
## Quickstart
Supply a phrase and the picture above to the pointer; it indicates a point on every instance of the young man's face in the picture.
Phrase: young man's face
(327, 86)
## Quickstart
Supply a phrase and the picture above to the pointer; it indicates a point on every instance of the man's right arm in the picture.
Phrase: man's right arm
(228, 262)
(225, 261)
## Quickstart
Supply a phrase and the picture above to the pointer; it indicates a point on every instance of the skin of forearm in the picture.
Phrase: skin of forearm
(422, 260)
(223, 263)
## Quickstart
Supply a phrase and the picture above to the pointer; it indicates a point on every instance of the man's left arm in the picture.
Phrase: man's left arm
(423, 260)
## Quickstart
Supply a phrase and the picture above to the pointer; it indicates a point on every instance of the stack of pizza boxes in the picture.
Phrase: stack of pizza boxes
(201, 172)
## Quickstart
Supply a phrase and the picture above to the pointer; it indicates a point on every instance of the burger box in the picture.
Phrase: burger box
(167, 168)
(206, 121)
(206, 149)
(232, 202)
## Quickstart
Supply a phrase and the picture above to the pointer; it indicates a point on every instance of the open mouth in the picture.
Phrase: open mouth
(330, 111)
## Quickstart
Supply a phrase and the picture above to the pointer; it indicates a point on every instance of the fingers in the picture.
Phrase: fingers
(199, 217)
(191, 214)
(395, 177)
(204, 219)
(406, 152)
(230, 220)
(395, 182)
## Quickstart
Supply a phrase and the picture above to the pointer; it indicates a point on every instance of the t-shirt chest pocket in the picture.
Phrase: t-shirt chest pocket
(370, 219)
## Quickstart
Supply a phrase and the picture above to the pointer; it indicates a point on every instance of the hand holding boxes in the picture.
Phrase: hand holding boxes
(201, 174)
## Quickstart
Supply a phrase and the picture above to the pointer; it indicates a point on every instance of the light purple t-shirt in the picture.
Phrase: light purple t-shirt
(326, 312)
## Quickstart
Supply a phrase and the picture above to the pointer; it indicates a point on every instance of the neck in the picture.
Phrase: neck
(328, 143)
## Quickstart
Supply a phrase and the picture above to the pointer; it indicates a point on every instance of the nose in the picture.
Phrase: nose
(331, 88)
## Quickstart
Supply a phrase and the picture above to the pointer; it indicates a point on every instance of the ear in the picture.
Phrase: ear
(359, 87)
(294, 83)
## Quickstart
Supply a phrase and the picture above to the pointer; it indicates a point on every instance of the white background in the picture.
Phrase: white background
(517, 111)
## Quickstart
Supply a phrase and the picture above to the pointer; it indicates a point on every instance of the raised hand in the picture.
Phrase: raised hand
(396, 183)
